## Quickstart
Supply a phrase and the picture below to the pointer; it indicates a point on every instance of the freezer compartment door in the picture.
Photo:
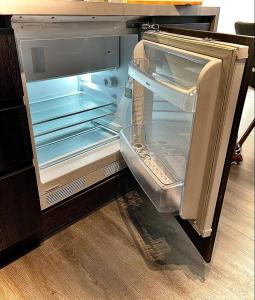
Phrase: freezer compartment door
(183, 107)
(51, 58)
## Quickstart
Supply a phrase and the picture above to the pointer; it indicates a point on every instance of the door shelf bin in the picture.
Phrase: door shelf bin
(182, 98)
(158, 181)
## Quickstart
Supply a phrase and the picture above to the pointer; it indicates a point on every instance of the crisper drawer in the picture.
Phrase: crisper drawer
(157, 167)
(15, 145)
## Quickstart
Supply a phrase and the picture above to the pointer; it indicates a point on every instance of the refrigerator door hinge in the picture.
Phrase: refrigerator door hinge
(207, 232)
(150, 26)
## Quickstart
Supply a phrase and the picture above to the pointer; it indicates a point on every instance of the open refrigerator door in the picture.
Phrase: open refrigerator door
(183, 105)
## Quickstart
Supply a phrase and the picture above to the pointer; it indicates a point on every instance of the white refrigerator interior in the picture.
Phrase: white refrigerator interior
(78, 97)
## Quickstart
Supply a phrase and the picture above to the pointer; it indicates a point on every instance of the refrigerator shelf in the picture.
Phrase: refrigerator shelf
(61, 107)
(158, 167)
(60, 134)
(73, 145)
(70, 121)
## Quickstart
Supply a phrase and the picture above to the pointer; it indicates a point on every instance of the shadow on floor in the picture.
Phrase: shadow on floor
(159, 237)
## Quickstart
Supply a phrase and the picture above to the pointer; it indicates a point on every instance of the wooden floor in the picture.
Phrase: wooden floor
(127, 251)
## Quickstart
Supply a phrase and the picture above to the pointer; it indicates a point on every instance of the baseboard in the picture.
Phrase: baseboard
(67, 212)
(19, 249)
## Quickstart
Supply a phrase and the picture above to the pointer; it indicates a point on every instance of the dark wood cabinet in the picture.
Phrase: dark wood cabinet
(19, 207)
(15, 144)
(11, 91)
(20, 214)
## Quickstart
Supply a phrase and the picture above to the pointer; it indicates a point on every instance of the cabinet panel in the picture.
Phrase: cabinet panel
(20, 214)
(11, 91)
(15, 144)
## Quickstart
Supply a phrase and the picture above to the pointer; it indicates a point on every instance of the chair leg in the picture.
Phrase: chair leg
(246, 134)
(237, 156)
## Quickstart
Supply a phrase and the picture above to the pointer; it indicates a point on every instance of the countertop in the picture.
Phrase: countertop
(81, 8)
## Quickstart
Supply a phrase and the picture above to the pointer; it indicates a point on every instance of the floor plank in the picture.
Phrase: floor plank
(126, 250)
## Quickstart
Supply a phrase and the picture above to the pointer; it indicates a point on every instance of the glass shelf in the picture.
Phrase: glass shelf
(58, 108)
(62, 133)
(157, 155)
(71, 145)
(69, 121)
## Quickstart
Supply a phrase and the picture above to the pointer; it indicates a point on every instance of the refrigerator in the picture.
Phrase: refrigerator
(161, 104)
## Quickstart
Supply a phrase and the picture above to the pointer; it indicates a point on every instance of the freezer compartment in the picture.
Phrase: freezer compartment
(52, 58)
(157, 154)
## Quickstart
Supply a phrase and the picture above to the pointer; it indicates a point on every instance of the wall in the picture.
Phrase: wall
(231, 12)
